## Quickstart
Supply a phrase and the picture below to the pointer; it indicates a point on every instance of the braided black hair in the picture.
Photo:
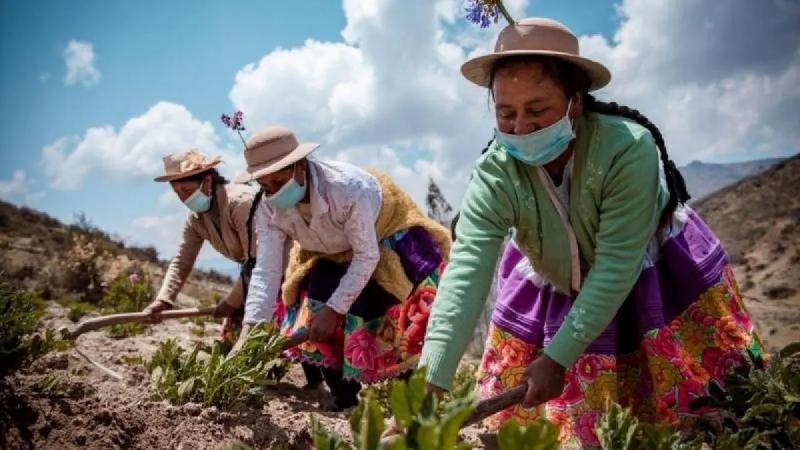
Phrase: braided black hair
(574, 81)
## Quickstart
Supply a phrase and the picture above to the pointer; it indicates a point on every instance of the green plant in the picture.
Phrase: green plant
(619, 429)
(463, 385)
(760, 404)
(20, 312)
(55, 385)
(214, 379)
(422, 421)
(75, 308)
(540, 435)
(81, 266)
(127, 293)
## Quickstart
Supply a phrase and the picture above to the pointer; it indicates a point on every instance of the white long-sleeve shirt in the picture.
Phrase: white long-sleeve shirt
(345, 202)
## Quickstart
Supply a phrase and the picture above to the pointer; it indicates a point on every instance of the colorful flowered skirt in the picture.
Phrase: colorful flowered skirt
(682, 326)
(381, 336)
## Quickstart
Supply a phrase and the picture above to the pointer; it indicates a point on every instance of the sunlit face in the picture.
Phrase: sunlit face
(527, 100)
(273, 182)
(185, 188)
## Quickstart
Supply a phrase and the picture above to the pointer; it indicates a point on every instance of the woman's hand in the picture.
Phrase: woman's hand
(545, 381)
(224, 309)
(323, 325)
(153, 310)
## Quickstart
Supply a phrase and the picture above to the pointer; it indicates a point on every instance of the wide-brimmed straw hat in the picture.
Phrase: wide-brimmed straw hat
(536, 36)
(271, 150)
(186, 164)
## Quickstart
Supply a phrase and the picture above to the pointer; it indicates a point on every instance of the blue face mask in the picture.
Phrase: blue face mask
(288, 195)
(542, 146)
(198, 202)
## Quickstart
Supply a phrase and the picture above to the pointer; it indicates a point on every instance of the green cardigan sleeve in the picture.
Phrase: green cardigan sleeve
(485, 218)
(629, 215)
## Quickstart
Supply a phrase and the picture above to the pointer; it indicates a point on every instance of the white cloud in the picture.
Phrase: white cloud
(391, 94)
(164, 233)
(136, 150)
(376, 99)
(718, 79)
(18, 189)
(79, 58)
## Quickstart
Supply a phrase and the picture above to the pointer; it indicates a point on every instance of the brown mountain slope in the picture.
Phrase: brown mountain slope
(42, 254)
(758, 220)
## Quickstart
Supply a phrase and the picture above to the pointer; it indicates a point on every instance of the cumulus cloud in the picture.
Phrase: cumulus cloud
(164, 233)
(18, 189)
(720, 80)
(135, 150)
(390, 95)
(79, 58)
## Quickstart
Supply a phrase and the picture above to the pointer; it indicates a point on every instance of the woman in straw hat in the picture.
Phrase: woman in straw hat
(362, 273)
(218, 213)
(612, 289)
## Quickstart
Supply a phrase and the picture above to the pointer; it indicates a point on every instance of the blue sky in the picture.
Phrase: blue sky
(206, 58)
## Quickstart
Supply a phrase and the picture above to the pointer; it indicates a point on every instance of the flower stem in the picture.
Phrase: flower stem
(505, 13)
(242, 138)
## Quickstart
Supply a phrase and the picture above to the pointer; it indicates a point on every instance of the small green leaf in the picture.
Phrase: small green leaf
(399, 403)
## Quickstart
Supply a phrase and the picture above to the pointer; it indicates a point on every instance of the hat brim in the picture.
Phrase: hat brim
(178, 176)
(300, 152)
(478, 69)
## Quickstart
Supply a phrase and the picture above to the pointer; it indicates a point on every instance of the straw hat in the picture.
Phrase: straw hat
(185, 164)
(270, 150)
(535, 36)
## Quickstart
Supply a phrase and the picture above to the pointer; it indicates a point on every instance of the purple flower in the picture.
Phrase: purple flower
(133, 278)
(235, 122)
(482, 12)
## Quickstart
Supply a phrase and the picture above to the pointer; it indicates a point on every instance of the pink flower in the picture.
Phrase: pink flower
(664, 344)
(726, 363)
(572, 393)
(133, 278)
(361, 350)
(584, 429)
(491, 362)
(589, 367)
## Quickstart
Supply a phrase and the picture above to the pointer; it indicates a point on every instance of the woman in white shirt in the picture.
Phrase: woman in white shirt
(363, 270)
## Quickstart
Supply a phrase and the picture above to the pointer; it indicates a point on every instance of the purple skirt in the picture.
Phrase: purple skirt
(682, 327)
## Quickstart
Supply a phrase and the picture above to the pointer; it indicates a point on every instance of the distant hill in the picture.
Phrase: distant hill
(703, 179)
(758, 220)
(54, 259)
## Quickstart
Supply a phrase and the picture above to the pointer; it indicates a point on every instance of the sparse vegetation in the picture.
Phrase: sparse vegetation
(422, 421)
(127, 293)
(20, 313)
(214, 379)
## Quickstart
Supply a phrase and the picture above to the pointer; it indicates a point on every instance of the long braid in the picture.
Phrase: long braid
(676, 185)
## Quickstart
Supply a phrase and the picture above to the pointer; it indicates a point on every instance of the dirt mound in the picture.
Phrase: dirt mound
(758, 220)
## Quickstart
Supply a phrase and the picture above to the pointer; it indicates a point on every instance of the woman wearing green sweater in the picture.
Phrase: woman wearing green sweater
(611, 288)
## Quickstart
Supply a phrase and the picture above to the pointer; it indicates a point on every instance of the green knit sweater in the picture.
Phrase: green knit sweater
(615, 202)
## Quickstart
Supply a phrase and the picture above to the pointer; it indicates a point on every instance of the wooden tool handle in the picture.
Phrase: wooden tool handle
(493, 405)
(116, 319)
(296, 339)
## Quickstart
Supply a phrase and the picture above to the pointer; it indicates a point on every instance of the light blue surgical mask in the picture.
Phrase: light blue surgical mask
(289, 194)
(542, 146)
(198, 201)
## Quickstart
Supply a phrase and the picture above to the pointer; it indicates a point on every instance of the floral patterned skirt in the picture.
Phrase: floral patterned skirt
(381, 336)
(683, 326)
